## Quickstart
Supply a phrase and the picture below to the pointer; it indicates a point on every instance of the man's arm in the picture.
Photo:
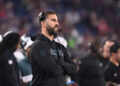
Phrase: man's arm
(67, 63)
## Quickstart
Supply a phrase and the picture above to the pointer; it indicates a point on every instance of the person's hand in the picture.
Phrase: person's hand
(111, 84)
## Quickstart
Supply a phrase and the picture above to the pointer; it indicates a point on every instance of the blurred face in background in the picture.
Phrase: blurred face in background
(118, 54)
(106, 49)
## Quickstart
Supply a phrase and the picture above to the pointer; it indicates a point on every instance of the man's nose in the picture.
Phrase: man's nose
(57, 23)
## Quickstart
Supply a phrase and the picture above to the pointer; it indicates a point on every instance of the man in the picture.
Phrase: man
(24, 64)
(90, 72)
(50, 61)
(112, 72)
(104, 59)
(9, 70)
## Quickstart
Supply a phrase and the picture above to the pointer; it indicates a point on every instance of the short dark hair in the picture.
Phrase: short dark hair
(43, 15)
(94, 46)
(9, 41)
(114, 48)
(108, 40)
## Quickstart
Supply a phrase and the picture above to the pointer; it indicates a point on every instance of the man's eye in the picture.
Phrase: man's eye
(53, 19)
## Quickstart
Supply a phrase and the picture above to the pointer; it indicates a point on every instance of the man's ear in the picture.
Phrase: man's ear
(43, 23)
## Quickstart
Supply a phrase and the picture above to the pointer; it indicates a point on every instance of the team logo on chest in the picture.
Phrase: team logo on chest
(56, 52)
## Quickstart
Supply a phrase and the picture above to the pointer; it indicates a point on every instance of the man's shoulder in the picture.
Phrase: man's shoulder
(86, 59)
(38, 42)
(110, 67)
(59, 45)
(7, 54)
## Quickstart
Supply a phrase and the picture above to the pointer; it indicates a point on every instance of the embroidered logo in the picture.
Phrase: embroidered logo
(10, 62)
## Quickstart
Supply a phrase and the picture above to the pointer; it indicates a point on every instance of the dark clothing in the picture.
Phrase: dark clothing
(103, 62)
(112, 73)
(50, 62)
(9, 71)
(90, 72)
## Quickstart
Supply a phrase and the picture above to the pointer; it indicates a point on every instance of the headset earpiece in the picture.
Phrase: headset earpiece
(42, 16)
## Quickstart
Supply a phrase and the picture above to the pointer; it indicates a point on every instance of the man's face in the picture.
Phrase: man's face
(106, 48)
(118, 54)
(52, 24)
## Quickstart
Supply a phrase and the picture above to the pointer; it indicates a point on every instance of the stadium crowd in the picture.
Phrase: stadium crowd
(82, 23)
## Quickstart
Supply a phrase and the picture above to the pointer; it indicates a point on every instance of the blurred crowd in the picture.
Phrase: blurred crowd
(81, 22)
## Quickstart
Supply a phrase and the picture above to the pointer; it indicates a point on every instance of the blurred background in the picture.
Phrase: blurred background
(81, 21)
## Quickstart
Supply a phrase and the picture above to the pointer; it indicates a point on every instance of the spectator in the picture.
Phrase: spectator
(9, 70)
(112, 71)
(90, 72)
(24, 64)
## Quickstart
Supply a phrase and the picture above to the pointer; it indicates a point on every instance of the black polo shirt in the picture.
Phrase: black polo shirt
(112, 73)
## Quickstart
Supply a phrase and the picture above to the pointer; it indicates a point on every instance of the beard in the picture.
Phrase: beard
(52, 31)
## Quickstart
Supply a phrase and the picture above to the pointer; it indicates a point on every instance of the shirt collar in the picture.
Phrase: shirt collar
(43, 37)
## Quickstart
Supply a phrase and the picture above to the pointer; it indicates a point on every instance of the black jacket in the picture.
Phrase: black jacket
(50, 62)
(112, 73)
(9, 71)
(90, 72)
(103, 61)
